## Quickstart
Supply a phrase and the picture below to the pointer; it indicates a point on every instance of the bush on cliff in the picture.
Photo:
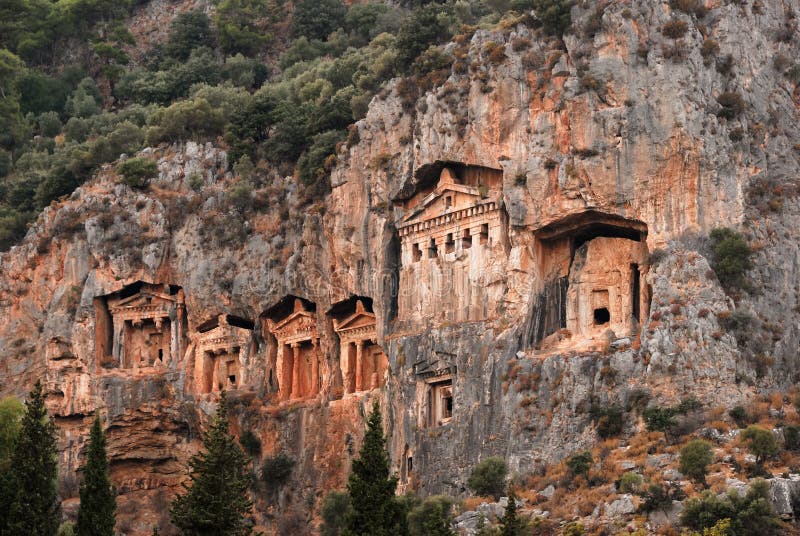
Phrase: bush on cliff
(276, 470)
(731, 259)
(488, 477)
(750, 515)
(137, 172)
(434, 517)
(695, 457)
(761, 442)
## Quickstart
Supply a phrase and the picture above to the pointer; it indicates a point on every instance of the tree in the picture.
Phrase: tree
(335, 510)
(761, 442)
(695, 457)
(216, 499)
(98, 504)
(316, 19)
(375, 511)
(433, 517)
(554, 14)
(34, 509)
(137, 172)
(488, 477)
(580, 463)
(511, 524)
(731, 259)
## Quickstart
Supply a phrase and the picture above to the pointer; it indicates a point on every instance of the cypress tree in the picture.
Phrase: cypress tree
(376, 511)
(98, 504)
(34, 509)
(216, 500)
(511, 524)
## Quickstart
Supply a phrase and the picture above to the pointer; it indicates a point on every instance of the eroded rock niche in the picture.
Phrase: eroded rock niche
(221, 342)
(298, 357)
(593, 266)
(140, 327)
(362, 361)
(452, 236)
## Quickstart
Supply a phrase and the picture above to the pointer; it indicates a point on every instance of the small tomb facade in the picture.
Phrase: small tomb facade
(450, 238)
(298, 356)
(221, 342)
(141, 326)
(362, 361)
(435, 392)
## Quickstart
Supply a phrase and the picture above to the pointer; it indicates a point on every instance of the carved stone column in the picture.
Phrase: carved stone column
(360, 366)
(296, 371)
(315, 368)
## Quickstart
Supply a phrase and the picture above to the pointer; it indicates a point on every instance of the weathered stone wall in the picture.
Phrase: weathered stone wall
(608, 126)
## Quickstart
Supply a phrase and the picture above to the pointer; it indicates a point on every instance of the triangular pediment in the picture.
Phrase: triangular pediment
(145, 298)
(448, 196)
(358, 320)
(299, 321)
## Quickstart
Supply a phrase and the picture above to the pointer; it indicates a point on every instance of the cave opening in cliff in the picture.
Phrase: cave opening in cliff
(590, 265)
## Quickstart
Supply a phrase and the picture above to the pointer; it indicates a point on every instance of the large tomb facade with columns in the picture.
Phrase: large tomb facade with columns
(362, 361)
(141, 326)
(452, 236)
(221, 341)
(298, 355)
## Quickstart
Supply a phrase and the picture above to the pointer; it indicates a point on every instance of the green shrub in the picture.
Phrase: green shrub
(580, 463)
(574, 529)
(731, 105)
(187, 32)
(695, 458)
(739, 416)
(791, 437)
(629, 482)
(731, 257)
(554, 15)
(610, 420)
(250, 443)
(335, 509)
(276, 470)
(316, 19)
(488, 477)
(657, 497)
(186, 120)
(761, 442)
(434, 517)
(750, 515)
(137, 172)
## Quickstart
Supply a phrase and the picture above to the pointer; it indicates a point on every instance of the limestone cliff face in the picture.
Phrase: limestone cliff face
(527, 237)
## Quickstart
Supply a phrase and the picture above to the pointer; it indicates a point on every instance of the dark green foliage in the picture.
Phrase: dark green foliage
(187, 32)
(512, 524)
(731, 259)
(761, 442)
(580, 463)
(427, 26)
(750, 515)
(610, 420)
(216, 498)
(245, 25)
(695, 458)
(554, 15)
(335, 509)
(488, 477)
(657, 497)
(316, 19)
(315, 164)
(731, 105)
(137, 172)
(434, 517)
(41, 93)
(739, 416)
(11, 413)
(276, 470)
(98, 503)
(34, 507)
(250, 443)
(791, 437)
(376, 511)
(186, 120)
(658, 419)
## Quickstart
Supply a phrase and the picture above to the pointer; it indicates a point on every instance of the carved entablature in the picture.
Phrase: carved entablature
(221, 342)
(224, 334)
(300, 325)
(359, 326)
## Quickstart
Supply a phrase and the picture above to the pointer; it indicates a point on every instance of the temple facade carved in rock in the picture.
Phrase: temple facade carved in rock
(221, 342)
(298, 356)
(141, 326)
(362, 361)
(450, 237)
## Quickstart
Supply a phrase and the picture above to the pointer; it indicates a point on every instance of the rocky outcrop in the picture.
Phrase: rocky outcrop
(600, 162)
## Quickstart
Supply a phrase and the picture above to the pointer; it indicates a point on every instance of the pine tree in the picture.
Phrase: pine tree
(511, 524)
(216, 499)
(98, 504)
(35, 510)
(376, 512)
